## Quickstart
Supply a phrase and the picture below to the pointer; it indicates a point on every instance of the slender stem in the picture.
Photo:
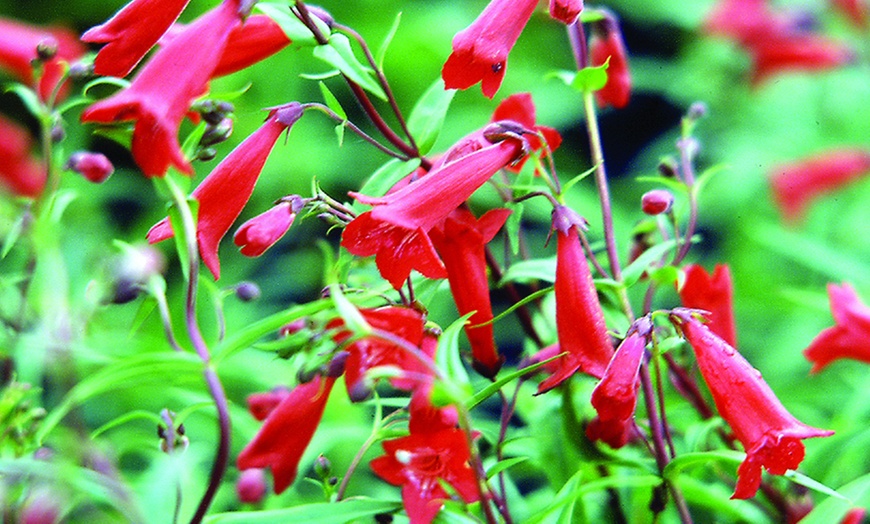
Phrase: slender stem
(213, 383)
(483, 490)
(591, 255)
(353, 127)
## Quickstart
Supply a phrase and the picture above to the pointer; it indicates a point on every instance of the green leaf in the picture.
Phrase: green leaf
(803, 480)
(73, 103)
(492, 389)
(704, 178)
(512, 225)
(350, 510)
(635, 270)
(672, 183)
(665, 276)
(833, 509)
(567, 186)
(180, 233)
(122, 134)
(292, 26)
(543, 269)
(136, 371)
(591, 78)
(427, 117)
(339, 54)
(127, 417)
(382, 51)
(353, 319)
(331, 101)
(387, 176)
(339, 133)
(563, 503)
(105, 81)
(503, 465)
(687, 460)
(456, 388)
(30, 99)
(531, 297)
(12, 235)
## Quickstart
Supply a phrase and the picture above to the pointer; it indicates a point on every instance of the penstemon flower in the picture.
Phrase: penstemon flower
(770, 434)
(850, 335)
(606, 44)
(713, 293)
(20, 173)
(260, 233)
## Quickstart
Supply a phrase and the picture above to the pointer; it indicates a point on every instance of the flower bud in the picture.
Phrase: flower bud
(46, 49)
(132, 270)
(251, 486)
(206, 154)
(217, 133)
(247, 291)
(668, 168)
(40, 508)
(93, 166)
(656, 202)
(697, 111)
(322, 14)
(322, 467)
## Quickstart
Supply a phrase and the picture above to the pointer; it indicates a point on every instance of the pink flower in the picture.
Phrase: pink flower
(713, 293)
(18, 42)
(566, 11)
(260, 233)
(372, 352)
(796, 53)
(481, 50)
(460, 242)
(849, 337)
(251, 486)
(257, 39)
(615, 397)
(579, 318)
(20, 172)
(93, 166)
(288, 429)
(432, 453)
(796, 185)
(770, 435)
(161, 92)
(131, 33)
(520, 108)
(746, 21)
(396, 230)
(607, 43)
(223, 194)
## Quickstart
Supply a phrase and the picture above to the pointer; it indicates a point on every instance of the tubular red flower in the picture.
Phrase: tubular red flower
(131, 33)
(713, 293)
(288, 429)
(770, 435)
(460, 242)
(19, 171)
(18, 42)
(796, 185)
(796, 53)
(161, 92)
(481, 50)
(566, 11)
(579, 318)
(260, 233)
(746, 21)
(615, 397)
(93, 166)
(223, 194)
(432, 452)
(520, 108)
(372, 352)
(257, 39)
(849, 337)
(607, 43)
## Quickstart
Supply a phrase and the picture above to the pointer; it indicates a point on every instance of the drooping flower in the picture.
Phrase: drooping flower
(460, 242)
(579, 317)
(615, 397)
(18, 44)
(481, 50)
(162, 91)
(396, 229)
(606, 43)
(287, 431)
(223, 194)
(20, 172)
(796, 185)
(713, 293)
(260, 233)
(520, 108)
(566, 11)
(372, 351)
(131, 33)
(849, 337)
(770, 435)
(430, 454)
(257, 39)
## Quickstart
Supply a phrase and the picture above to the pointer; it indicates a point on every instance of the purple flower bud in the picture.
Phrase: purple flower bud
(251, 486)
(93, 166)
(247, 291)
(656, 202)
(217, 133)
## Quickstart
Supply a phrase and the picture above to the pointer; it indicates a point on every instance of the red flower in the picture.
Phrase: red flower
(224, 192)
(18, 42)
(19, 171)
(746, 21)
(566, 11)
(796, 53)
(849, 337)
(713, 293)
(460, 241)
(607, 43)
(288, 429)
(796, 185)
(579, 318)
(432, 452)
(770, 435)
(520, 108)
(373, 352)
(855, 10)
(396, 230)
(162, 91)
(257, 39)
(481, 50)
(615, 397)
(131, 33)
(96, 167)
(260, 233)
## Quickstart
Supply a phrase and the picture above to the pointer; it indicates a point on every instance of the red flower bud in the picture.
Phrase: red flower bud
(251, 486)
(93, 166)
(656, 202)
